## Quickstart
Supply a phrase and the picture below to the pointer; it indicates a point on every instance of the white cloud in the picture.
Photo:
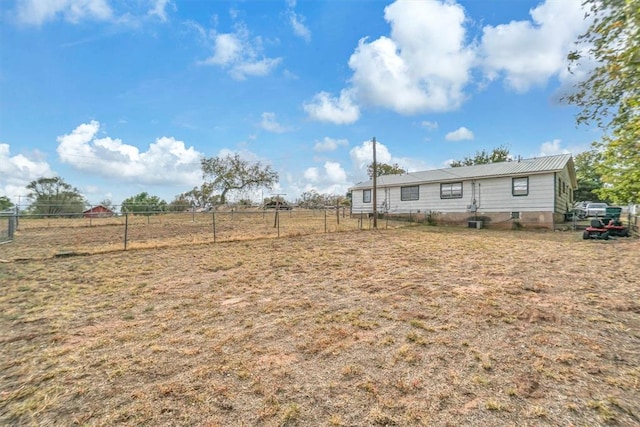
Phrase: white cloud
(312, 174)
(326, 108)
(459, 134)
(269, 123)
(227, 49)
(423, 65)
(159, 9)
(37, 12)
(335, 173)
(551, 148)
(333, 178)
(17, 171)
(362, 156)
(330, 144)
(528, 53)
(166, 161)
(299, 29)
(256, 68)
(240, 54)
(429, 125)
(329, 179)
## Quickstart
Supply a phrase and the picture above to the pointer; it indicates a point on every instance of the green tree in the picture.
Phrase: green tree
(587, 175)
(144, 204)
(385, 169)
(5, 203)
(610, 95)
(53, 196)
(274, 200)
(314, 200)
(620, 165)
(233, 173)
(201, 197)
(180, 204)
(499, 154)
(347, 200)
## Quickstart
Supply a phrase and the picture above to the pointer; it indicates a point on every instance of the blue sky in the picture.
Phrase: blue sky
(119, 97)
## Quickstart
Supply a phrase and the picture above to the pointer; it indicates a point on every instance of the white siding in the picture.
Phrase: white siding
(563, 199)
(492, 195)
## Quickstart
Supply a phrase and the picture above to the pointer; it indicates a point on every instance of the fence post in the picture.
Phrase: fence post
(278, 221)
(325, 221)
(213, 214)
(126, 229)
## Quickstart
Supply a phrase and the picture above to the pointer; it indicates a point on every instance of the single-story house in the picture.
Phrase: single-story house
(98, 211)
(525, 192)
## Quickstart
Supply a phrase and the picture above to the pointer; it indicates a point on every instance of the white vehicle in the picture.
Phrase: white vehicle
(580, 209)
(596, 209)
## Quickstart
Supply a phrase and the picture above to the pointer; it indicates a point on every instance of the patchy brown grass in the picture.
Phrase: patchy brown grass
(414, 326)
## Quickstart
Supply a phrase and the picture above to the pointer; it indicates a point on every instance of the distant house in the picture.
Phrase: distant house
(98, 211)
(532, 192)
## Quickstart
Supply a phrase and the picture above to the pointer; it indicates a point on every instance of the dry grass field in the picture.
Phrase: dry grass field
(43, 238)
(412, 326)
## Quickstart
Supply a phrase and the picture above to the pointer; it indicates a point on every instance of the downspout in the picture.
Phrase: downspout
(555, 198)
(479, 197)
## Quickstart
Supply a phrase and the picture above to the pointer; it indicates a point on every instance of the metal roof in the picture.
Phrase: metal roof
(513, 168)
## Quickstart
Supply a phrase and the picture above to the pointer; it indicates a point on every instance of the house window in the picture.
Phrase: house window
(452, 190)
(520, 186)
(409, 193)
(366, 196)
(515, 215)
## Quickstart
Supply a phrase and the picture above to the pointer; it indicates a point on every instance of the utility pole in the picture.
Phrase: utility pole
(375, 187)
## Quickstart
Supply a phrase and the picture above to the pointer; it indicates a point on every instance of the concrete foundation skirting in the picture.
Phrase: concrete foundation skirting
(496, 220)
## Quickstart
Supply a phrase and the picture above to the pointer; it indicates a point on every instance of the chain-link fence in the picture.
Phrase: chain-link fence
(41, 236)
(8, 223)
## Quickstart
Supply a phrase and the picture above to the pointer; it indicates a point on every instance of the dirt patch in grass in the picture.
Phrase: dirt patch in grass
(416, 326)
